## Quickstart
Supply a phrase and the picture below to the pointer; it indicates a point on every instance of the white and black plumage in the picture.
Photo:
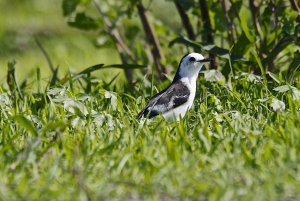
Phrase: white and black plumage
(178, 97)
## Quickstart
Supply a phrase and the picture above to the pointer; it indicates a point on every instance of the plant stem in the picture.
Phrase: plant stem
(123, 50)
(185, 21)
(254, 13)
(225, 7)
(45, 53)
(151, 37)
(207, 36)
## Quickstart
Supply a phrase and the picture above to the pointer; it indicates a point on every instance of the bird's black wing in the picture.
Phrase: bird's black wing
(171, 97)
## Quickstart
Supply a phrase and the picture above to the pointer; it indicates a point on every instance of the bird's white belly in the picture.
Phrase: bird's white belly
(176, 113)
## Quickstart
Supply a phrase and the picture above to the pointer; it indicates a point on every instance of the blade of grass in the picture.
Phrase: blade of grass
(26, 124)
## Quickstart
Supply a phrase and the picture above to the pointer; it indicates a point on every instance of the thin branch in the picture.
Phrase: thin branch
(225, 7)
(255, 12)
(185, 21)
(237, 16)
(118, 39)
(113, 32)
(207, 36)
(206, 22)
(151, 37)
(128, 72)
(43, 50)
(119, 42)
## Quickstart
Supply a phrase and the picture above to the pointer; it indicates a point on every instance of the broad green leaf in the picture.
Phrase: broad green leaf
(214, 76)
(101, 66)
(295, 93)
(82, 21)
(213, 49)
(283, 88)
(185, 41)
(277, 105)
(245, 27)
(75, 107)
(254, 78)
(125, 66)
(235, 8)
(121, 66)
(26, 124)
(130, 96)
(85, 2)
(279, 47)
(69, 6)
(217, 51)
(239, 48)
(274, 77)
(113, 98)
(56, 91)
(91, 69)
(242, 45)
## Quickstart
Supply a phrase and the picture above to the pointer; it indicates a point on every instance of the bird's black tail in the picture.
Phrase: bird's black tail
(147, 113)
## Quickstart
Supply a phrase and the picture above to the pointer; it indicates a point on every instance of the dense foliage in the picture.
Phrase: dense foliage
(258, 36)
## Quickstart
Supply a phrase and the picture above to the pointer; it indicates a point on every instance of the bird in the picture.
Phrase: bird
(174, 101)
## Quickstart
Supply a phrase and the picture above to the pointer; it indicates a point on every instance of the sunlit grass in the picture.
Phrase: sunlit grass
(68, 144)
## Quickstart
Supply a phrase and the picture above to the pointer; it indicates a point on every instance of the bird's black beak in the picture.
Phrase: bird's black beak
(205, 60)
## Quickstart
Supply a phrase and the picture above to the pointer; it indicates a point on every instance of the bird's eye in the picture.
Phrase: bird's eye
(192, 59)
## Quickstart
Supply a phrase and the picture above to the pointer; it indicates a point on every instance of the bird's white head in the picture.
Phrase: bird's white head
(190, 65)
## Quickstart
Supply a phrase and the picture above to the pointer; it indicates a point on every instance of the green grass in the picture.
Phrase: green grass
(66, 144)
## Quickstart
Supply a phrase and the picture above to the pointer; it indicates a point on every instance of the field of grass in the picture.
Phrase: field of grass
(67, 143)
(80, 140)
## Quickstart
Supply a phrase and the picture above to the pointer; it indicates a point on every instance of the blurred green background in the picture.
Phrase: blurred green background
(73, 49)
(69, 48)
